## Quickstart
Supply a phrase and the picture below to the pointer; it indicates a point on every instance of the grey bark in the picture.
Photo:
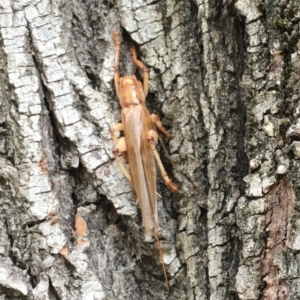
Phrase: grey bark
(224, 77)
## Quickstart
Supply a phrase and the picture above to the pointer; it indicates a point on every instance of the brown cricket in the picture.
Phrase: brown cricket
(138, 145)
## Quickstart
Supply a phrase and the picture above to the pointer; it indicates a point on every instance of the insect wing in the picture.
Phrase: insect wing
(137, 122)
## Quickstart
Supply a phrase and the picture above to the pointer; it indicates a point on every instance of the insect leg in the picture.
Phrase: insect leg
(143, 67)
(116, 37)
(120, 148)
(152, 139)
(156, 121)
(113, 129)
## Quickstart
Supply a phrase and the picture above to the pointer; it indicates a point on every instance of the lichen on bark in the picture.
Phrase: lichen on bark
(223, 79)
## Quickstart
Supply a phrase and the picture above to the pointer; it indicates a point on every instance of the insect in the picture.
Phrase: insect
(138, 144)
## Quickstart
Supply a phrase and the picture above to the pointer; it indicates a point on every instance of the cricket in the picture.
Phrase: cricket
(137, 146)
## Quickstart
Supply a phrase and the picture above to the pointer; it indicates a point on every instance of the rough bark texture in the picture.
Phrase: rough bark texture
(224, 77)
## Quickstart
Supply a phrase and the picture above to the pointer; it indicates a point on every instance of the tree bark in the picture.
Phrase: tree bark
(224, 78)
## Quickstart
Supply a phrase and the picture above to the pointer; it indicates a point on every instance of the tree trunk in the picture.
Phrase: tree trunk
(224, 78)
